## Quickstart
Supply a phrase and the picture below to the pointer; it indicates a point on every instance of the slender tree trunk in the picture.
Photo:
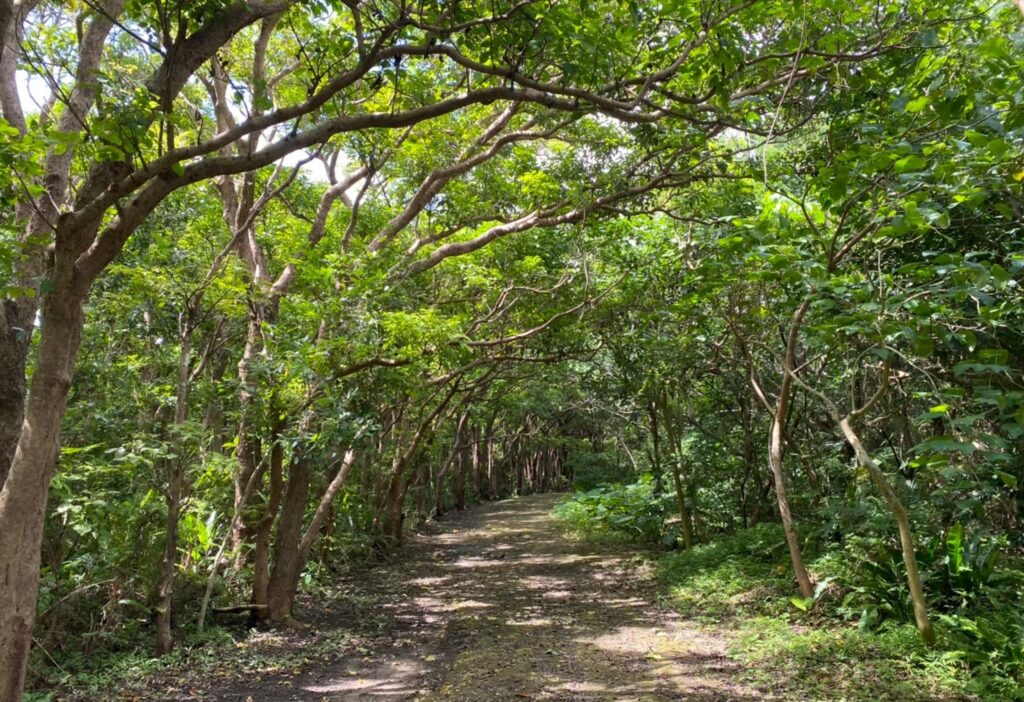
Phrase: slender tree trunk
(480, 478)
(493, 489)
(749, 458)
(487, 461)
(248, 449)
(326, 501)
(214, 417)
(479, 485)
(459, 481)
(17, 315)
(684, 513)
(391, 523)
(175, 490)
(519, 465)
(24, 493)
(782, 498)
(748, 469)
(656, 450)
(264, 528)
(284, 584)
(449, 461)
(899, 511)
(17, 318)
(422, 483)
(38, 217)
(674, 438)
(776, 435)
(775, 441)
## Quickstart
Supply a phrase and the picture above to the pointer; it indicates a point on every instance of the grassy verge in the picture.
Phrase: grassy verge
(742, 584)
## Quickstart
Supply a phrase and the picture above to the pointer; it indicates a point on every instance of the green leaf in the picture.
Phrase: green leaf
(910, 164)
(918, 104)
(955, 547)
(946, 443)
(804, 604)
(1009, 479)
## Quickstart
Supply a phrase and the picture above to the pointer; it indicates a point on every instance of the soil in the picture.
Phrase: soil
(491, 605)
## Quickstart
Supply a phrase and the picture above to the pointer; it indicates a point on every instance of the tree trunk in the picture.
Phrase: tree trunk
(479, 483)
(214, 417)
(324, 508)
(674, 438)
(393, 502)
(898, 510)
(493, 489)
(422, 483)
(656, 450)
(287, 568)
(748, 455)
(248, 450)
(17, 318)
(175, 490)
(459, 481)
(781, 496)
(39, 215)
(284, 584)
(684, 514)
(518, 465)
(450, 459)
(24, 493)
(265, 527)
(775, 440)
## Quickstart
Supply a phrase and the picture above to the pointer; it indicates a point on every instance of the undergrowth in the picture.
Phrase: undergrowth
(614, 511)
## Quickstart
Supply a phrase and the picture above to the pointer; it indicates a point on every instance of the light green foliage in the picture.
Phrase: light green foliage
(410, 334)
(630, 511)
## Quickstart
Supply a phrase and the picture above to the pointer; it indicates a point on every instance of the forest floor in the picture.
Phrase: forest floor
(490, 605)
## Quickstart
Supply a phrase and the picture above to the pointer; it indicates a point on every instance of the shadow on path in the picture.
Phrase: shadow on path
(497, 605)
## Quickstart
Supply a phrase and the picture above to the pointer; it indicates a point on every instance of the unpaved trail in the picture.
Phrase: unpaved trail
(497, 604)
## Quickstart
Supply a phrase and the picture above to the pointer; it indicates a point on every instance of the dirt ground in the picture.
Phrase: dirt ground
(493, 604)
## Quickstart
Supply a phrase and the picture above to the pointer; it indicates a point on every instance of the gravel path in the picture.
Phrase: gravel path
(494, 605)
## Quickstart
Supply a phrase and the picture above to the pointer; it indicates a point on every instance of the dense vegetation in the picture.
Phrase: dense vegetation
(282, 280)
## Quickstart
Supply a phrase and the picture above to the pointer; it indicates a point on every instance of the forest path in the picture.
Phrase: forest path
(497, 604)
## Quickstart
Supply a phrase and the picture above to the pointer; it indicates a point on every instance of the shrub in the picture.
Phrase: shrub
(975, 595)
(629, 511)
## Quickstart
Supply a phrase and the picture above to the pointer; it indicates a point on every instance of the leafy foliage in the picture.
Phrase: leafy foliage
(327, 270)
(631, 511)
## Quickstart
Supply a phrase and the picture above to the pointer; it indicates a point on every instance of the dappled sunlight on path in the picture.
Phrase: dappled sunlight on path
(497, 605)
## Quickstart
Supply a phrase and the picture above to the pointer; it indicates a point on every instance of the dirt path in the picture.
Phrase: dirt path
(498, 605)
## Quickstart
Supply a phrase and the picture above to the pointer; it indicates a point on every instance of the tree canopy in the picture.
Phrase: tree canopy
(283, 279)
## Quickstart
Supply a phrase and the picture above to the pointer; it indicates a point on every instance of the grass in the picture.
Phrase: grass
(843, 664)
(742, 583)
(736, 576)
(94, 676)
